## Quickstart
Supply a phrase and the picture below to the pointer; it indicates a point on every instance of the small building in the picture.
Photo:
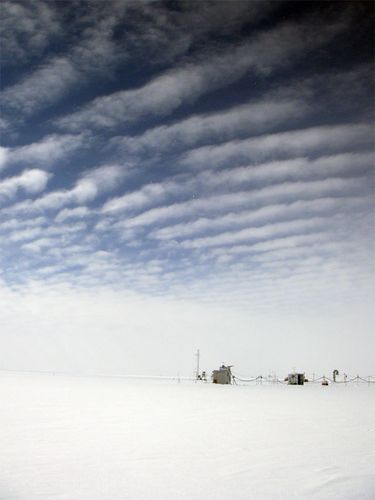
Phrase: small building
(222, 376)
(296, 378)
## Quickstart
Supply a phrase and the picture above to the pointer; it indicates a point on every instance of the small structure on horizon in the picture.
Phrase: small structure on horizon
(296, 378)
(202, 376)
(223, 375)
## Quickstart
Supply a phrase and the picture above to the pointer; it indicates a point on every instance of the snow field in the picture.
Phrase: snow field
(77, 438)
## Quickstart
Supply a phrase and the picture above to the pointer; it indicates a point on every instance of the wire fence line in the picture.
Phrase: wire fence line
(275, 380)
(247, 380)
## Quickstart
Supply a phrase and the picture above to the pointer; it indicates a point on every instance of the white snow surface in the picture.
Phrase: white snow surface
(87, 438)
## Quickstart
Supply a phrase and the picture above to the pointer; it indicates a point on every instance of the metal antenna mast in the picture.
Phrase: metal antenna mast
(197, 373)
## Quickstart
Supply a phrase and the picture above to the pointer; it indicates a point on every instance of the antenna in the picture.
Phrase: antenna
(197, 371)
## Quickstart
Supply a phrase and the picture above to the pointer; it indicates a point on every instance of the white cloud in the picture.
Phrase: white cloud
(17, 223)
(267, 213)
(285, 105)
(26, 29)
(147, 195)
(25, 234)
(47, 235)
(315, 140)
(295, 241)
(106, 177)
(256, 233)
(88, 187)
(288, 191)
(354, 164)
(99, 180)
(39, 244)
(72, 213)
(40, 88)
(44, 152)
(31, 181)
(176, 87)
(96, 44)
(45, 230)
(164, 34)
(93, 54)
(267, 173)
(243, 119)
(61, 229)
(314, 250)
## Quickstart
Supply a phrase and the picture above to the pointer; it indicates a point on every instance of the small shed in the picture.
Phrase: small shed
(296, 378)
(222, 376)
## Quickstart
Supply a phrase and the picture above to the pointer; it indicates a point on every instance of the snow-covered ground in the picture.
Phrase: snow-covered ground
(78, 438)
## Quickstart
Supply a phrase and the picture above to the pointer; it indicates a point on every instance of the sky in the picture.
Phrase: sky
(183, 175)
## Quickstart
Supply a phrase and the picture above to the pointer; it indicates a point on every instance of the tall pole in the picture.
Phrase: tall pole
(197, 373)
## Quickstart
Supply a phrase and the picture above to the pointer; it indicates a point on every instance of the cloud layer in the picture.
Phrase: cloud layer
(219, 156)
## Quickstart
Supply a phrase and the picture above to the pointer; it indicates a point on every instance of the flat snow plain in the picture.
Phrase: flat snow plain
(78, 438)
